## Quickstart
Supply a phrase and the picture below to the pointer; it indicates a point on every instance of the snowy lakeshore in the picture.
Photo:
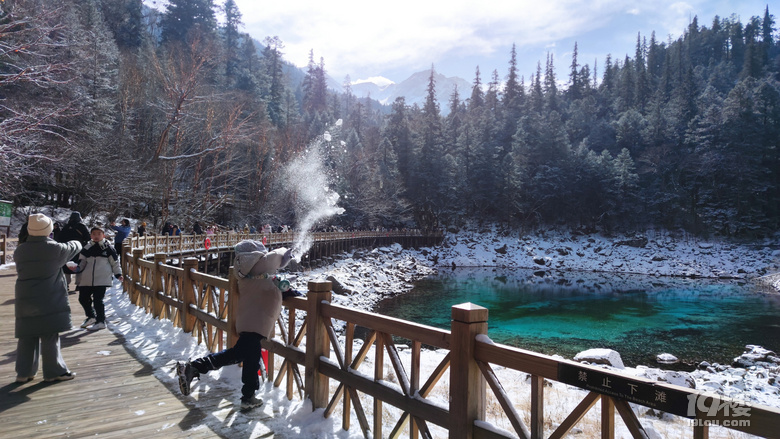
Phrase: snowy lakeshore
(362, 278)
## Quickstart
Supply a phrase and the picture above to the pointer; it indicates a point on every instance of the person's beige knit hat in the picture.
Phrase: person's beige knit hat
(39, 224)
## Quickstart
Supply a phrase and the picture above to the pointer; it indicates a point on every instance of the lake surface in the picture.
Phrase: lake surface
(568, 312)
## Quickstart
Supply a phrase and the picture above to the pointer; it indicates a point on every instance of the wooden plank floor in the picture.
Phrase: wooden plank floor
(113, 395)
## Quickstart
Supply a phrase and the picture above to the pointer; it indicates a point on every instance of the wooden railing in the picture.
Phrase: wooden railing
(188, 244)
(202, 305)
(6, 249)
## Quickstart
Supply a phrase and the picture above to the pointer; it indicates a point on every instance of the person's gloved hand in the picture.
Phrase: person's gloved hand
(291, 293)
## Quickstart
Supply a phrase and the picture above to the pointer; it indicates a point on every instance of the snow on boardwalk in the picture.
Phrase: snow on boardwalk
(113, 395)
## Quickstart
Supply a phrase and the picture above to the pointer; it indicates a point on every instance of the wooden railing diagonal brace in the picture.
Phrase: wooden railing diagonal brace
(629, 417)
(571, 420)
(503, 399)
(395, 360)
(425, 390)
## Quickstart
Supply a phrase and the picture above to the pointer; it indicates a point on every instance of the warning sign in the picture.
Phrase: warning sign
(632, 390)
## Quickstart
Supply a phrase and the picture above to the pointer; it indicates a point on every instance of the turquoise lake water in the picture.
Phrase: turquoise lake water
(638, 316)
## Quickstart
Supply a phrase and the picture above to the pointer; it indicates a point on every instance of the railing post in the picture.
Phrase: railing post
(316, 343)
(232, 298)
(537, 407)
(701, 432)
(188, 295)
(135, 269)
(181, 248)
(467, 385)
(3, 247)
(127, 248)
(157, 304)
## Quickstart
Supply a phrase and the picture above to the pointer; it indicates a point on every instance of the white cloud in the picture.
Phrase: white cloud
(362, 39)
(354, 38)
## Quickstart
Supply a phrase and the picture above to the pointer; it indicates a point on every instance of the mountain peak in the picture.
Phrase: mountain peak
(379, 81)
(414, 88)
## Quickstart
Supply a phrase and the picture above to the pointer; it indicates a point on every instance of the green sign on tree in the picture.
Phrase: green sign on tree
(6, 209)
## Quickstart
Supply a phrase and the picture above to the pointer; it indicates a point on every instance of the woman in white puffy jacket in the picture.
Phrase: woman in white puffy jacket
(97, 267)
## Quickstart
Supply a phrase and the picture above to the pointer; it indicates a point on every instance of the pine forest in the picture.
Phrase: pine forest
(108, 105)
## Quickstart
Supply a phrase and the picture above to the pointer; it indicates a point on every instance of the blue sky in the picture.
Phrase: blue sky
(396, 39)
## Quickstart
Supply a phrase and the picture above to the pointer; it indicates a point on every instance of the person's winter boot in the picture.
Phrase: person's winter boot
(248, 403)
(186, 373)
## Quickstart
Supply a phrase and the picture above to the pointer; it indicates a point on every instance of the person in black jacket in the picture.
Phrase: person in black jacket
(98, 265)
(74, 230)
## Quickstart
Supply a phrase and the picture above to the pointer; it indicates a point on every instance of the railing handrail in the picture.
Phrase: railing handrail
(188, 243)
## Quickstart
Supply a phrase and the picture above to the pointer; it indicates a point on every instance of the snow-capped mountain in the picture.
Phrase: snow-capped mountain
(414, 89)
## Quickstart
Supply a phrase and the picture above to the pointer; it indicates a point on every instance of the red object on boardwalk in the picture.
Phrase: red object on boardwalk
(265, 361)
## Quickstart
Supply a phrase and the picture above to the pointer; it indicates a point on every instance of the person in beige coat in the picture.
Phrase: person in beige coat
(259, 306)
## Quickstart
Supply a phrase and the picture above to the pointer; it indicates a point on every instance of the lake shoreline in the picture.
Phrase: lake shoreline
(364, 277)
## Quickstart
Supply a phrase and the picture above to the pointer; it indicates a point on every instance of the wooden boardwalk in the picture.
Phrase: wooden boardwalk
(114, 394)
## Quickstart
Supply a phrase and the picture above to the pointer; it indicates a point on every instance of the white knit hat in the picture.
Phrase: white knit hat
(39, 224)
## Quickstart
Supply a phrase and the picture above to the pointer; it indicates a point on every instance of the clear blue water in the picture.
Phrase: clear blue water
(638, 316)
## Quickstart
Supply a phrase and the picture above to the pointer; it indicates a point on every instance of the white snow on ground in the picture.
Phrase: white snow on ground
(365, 277)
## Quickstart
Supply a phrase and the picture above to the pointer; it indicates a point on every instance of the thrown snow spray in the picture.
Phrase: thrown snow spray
(307, 177)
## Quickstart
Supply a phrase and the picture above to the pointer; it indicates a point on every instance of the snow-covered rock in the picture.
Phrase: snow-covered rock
(756, 355)
(654, 252)
(666, 358)
(677, 378)
(601, 356)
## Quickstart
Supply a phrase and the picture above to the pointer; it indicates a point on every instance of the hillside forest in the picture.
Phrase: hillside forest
(108, 105)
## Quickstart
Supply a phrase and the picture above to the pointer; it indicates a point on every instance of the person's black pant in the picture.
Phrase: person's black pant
(118, 248)
(89, 296)
(246, 350)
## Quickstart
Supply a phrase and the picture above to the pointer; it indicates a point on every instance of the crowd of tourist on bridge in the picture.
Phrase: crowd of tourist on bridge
(46, 258)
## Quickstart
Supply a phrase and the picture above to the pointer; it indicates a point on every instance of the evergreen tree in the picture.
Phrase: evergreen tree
(430, 168)
(536, 100)
(627, 86)
(125, 19)
(550, 85)
(737, 43)
(491, 97)
(642, 87)
(183, 16)
(477, 95)
(272, 67)
(232, 24)
(654, 59)
(513, 90)
(767, 38)
(399, 136)
(575, 85)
